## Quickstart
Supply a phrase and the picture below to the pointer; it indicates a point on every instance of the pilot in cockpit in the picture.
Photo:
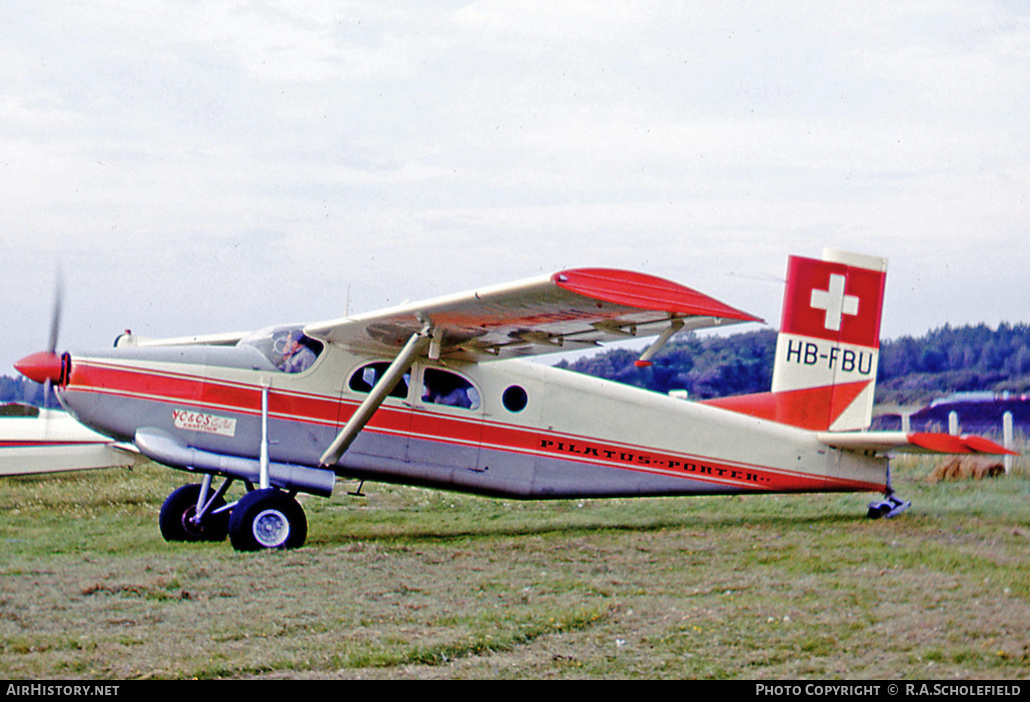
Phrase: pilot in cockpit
(296, 355)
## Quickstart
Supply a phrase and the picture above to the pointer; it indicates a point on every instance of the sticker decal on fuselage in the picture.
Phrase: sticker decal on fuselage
(188, 420)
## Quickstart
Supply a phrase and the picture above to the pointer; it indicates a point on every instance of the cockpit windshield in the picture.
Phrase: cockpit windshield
(288, 349)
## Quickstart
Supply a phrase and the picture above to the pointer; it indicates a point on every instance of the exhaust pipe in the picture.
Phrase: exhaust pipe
(164, 448)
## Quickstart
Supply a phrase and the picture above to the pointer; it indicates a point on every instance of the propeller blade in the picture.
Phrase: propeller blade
(47, 367)
(55, 315)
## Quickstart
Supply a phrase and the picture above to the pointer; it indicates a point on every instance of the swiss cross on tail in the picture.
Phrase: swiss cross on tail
(835, 301)
(829, 340)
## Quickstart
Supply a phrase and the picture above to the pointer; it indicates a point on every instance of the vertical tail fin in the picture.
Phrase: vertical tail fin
(824, 376)
(829, 337)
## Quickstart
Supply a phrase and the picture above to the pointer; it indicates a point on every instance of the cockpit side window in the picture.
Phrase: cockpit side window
(366, 377)
(288, 349)
(440, 387)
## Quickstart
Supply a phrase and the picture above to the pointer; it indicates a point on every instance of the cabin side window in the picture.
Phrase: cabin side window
(440, 387)
(366, 377)
(515, 398)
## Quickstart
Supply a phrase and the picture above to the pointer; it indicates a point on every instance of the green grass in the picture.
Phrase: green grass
(414, 583)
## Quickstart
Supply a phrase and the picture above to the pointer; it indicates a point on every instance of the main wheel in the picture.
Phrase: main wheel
(176, 518)
(267, 519)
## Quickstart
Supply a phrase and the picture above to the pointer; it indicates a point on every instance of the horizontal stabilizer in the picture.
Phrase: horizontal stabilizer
(917, 442)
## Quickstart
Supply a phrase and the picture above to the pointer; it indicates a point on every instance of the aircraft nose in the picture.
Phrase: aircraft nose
(41, 367)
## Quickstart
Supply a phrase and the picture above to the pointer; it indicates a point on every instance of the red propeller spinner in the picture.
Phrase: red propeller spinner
(42, 366)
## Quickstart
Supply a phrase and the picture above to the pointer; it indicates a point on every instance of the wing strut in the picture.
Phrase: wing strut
(645, 359)
(418, 343)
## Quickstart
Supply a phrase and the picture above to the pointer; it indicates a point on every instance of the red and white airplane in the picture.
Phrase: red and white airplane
(433, 394)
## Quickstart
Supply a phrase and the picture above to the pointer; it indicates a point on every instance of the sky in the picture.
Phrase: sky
(211, 166)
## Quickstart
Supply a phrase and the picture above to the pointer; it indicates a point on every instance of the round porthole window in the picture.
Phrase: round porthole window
(515, 399)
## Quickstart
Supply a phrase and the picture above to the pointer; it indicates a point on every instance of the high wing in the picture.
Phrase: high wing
(569, 309)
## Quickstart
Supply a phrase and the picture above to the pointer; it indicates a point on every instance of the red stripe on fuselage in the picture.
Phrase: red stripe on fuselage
(210, 393)
(30, 443)
(433, 424)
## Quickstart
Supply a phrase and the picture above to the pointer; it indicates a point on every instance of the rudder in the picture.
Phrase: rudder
(829, 340)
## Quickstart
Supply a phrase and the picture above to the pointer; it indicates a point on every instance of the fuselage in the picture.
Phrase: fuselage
(512, 428)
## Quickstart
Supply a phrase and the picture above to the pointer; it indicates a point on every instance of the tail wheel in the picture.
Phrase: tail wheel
(178, 511)
(265, 519)
(878, 510)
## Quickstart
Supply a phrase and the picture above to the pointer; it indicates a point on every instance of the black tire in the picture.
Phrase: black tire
(878, 510)
(266, 519)
(177, 511)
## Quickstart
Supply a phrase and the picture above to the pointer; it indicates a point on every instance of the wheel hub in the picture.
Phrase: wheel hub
(190, 524)
(271, 528)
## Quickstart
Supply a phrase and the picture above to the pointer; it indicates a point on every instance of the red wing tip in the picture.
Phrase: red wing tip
(644, 291)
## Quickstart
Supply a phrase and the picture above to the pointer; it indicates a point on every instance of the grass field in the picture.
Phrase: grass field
(409, 583)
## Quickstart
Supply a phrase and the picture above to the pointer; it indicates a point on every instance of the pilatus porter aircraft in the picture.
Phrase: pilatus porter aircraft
(436, 394)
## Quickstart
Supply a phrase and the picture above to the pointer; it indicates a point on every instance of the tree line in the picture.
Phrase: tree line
(19, 389)
(955, 359)
(911, 369)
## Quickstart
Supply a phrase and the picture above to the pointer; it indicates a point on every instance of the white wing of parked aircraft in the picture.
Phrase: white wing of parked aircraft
(51, 441)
